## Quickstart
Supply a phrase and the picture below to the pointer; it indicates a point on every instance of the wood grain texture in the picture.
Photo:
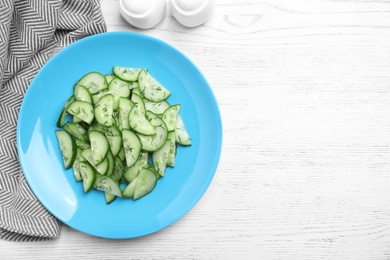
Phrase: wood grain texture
(304, 93)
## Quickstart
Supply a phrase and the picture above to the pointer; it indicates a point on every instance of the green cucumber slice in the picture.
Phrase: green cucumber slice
(132, 146)
(62, 116)
(170, 116)
(121, 154)
(151, 143)
(68, 148)
(104, 109)
(125, 105)
(171, 138)
(102, 168)
(109, 77)
(82, 145)
(156, 107)
(139, 102)
(82, 110)
(79, 158)
(151, 88)
(93, 81)
(111, 163)
(182, 136)
(108, 184)
(99, 146)
(139, 123)
(118, 169)
(109, 197)
(129, 190)
(97, 96)
(131, 172)
(76, 130)
(113, 135)
(77, 120)
(81, 93)
(160, 158)
(146, 181)
(88, 174)
(119, 88)
(127, 74)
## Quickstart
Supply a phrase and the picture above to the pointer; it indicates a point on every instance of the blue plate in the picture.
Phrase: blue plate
(182, 186)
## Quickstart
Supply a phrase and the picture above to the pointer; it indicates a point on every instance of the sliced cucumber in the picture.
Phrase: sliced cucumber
(122, 86)
(111, 163)
(118, 169)
(182, 136)
(129, 190)
(160, 158)
(99, 146)
(151, 143)
(119, 88)
(81, 93)
(125, 105)
(82, 145)
(61, 118)
(104, 109)
(137, 91)
(131, 172)
(113, 135)
(127, 74)
(122, 130)
(156, 107)
(82, 110)
(109, 197)
(108, 184)
(88, 174)
(151, 88)
(79, 158)
(139, 102)
(139, 123)
(99, 95)
(146, 181)
(77, 120)
(171, 138)
(109, 77)
(94, 82)
(132, 146)
(102, 167)
(121, 154)
(170, 116)
(76, 130)
(68, 148)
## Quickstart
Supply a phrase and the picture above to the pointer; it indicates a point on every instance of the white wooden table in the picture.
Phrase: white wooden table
(304, 92)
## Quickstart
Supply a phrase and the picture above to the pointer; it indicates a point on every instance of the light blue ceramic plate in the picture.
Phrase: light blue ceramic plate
(182, 186)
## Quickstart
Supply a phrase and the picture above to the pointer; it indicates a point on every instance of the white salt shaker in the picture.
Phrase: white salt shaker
(143, 14)
(192, 13)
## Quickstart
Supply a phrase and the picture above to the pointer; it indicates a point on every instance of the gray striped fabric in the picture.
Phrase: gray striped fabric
(31, 32)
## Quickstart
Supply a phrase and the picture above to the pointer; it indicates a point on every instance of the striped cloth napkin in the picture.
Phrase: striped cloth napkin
(31, 32)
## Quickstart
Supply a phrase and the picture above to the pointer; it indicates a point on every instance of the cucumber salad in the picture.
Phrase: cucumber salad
(119, 133)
